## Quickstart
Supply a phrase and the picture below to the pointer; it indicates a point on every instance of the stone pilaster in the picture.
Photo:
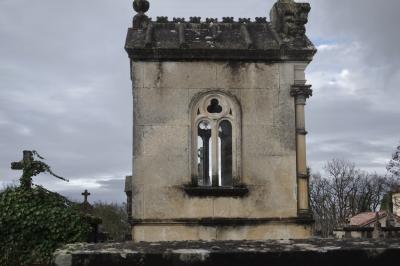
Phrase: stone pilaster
(301, 93)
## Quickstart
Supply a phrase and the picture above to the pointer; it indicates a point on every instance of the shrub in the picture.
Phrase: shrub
(114, 219)
(34, 222)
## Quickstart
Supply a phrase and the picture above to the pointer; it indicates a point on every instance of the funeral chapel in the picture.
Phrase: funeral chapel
(219, 136)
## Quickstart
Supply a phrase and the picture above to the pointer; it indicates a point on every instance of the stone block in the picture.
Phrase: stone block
(207, 233)
(161, 140)
(227, 232)
(255, 205)
(261, 140)
(272, 230)
(258, 106)
(161, 106)
(161, 170)
(247, 75)
(277, 231)
(286, 74)
(262, 202)
(262, 232)
(180, 75)
(285, 120)
(221, 207)
(138, 74)
(195, 92)
(172, 203)
(152, 233)
(299, 73)
(196, 207)
(266, 170)
(138, 201)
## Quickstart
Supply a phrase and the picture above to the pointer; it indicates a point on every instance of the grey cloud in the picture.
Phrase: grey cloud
(65, 88)
(373, 23)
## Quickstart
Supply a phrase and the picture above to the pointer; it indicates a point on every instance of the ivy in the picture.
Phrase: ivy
(34, 223)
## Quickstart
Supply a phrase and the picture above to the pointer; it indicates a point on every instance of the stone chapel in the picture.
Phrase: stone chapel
(219, 137)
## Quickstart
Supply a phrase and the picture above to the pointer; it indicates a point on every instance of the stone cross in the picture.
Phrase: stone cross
(31, 167)
(86, 194)
(25, 165)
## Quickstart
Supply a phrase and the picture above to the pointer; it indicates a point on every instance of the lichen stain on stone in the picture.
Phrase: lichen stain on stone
(160, 73)
(235, 68)
(192, 255)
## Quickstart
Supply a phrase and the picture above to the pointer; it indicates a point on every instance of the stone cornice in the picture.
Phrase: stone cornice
(245, 39)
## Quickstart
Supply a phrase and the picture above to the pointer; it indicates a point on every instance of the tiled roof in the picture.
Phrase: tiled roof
(365, 218)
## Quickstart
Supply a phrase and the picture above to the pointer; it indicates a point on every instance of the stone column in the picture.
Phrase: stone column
(301, 93)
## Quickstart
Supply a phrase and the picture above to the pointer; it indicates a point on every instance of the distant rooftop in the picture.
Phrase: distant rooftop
(365, 218)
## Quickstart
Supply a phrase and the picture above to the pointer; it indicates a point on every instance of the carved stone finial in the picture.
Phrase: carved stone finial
(195, 19)
(289, 19)
(178, 20)
(141, 6)
(211, 20)
(227, 19)
(244, 20)
(261, 20)
(162, 19)
(140, 20)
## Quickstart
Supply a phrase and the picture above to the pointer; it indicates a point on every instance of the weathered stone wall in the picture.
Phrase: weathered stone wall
(283, 230)
(162, 93)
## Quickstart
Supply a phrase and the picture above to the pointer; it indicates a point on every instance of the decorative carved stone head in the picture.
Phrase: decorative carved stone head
(289, 19)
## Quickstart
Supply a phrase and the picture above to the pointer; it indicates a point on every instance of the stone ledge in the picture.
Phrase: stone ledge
(311, 252)
(216, 191)
(216, 221)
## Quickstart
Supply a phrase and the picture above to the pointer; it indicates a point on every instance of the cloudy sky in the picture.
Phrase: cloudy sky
(65, 87)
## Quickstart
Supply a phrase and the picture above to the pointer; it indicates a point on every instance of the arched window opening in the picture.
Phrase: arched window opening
(204, 153)
(225, 153)
(216, 140)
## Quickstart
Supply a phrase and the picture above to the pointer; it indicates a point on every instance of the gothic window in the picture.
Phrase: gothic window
(215, 140)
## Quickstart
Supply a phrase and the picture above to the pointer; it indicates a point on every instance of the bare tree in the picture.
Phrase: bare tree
(322, 204)
(343, 192)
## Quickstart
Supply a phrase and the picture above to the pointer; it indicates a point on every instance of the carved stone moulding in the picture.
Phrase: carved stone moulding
(301, 90)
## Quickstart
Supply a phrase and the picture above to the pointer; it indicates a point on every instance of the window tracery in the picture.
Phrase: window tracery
(216, 140)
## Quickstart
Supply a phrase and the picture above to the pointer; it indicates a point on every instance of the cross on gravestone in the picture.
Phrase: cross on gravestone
(25, 165)
(86, 194)
(31, 167)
